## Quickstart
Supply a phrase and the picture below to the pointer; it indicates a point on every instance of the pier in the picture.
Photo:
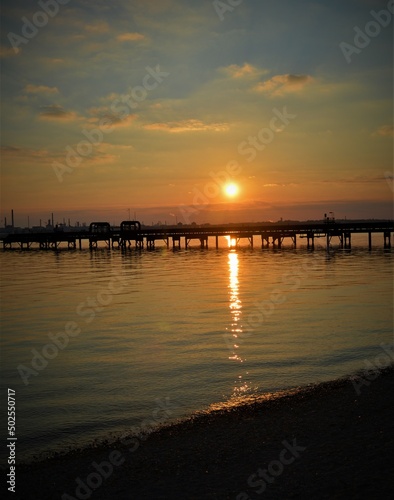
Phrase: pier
(130, 234)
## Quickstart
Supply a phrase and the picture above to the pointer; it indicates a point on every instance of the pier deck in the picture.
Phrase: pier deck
(130, 233)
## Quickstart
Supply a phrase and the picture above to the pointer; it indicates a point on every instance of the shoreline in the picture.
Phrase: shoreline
(318, 441)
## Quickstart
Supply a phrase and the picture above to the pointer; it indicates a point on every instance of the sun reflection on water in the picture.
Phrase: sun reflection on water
(232, 242)
(236, 317)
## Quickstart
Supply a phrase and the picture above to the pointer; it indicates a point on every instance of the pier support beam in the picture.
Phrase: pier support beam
(387, 239)
(139, 242)
(176, 242)
(123, 243)
(217, 241)
(347, 236)
(204, 242)
(150, 243)
(294, 240)
(310, 241)
(265, 241)
(277, 241)
(370, 240)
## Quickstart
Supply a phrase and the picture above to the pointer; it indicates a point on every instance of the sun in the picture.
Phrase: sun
(231, 189)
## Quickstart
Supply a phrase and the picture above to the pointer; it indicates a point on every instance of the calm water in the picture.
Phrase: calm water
(197, 327)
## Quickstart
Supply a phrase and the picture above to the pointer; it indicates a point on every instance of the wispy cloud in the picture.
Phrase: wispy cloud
(245, 71)
(115, 147)
(54, 112)
(15, 152)
(130, 37)
(40, 89)
(99, 28)
(112, 119)
(282, 84)
(118, 122)
(188, 126)
(43, 157)
(100, 158)
(384, 131)
(56, 60)
(8, 51)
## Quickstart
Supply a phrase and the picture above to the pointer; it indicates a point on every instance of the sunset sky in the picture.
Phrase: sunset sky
(140, 104)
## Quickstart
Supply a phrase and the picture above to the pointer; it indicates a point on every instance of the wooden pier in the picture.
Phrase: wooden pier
(132, 234)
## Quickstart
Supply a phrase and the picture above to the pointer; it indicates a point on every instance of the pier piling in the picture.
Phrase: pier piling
(387, 239)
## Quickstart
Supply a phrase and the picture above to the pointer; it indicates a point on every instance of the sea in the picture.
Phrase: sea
(98, 344)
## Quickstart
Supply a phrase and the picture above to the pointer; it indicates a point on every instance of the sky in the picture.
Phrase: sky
(148, 108)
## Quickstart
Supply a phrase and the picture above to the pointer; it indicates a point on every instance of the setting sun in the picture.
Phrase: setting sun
(231, 189)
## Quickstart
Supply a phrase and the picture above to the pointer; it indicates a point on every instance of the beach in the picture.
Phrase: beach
(330, 440)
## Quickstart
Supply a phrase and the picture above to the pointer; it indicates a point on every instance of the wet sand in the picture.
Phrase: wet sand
(323, 441)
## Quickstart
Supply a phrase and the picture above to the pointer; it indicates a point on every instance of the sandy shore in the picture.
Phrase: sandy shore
(324, 441)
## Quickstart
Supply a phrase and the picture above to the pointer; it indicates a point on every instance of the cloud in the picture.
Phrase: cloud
(111, 119)
(56, 60)
(99, 27)
(17, 152)
(117, 147)
(245, 71)
(40, 89)
(130, 37)
(153, 6)
(16, 155)
(100, 158)
(187, 126)
(43, 157)
(8, 52)
(384, 131)
(57, 113)
(281, 84)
